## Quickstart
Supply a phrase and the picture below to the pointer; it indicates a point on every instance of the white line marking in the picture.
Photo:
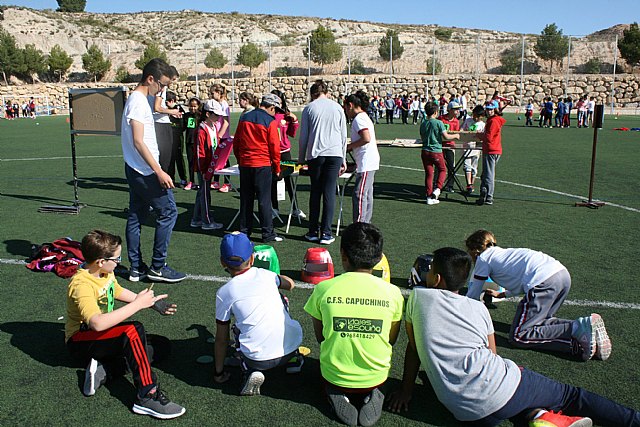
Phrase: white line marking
(405, 292)
(58, 158)
(560, 193)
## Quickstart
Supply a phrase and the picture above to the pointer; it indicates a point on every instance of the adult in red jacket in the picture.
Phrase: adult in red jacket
(257, 148)
(491, 152)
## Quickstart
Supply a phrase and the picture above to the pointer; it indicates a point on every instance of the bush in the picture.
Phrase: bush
(122, 75)
(357, 67)
(443, 34)
(592, 66)
(282, 72)
(430, 66)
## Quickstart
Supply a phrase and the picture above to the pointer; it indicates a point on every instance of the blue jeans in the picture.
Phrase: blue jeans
(323, 172)
(145, 191)
(539, 392)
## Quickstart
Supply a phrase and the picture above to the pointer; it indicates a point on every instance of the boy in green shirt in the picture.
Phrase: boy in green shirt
(432, 132)
(356, 319)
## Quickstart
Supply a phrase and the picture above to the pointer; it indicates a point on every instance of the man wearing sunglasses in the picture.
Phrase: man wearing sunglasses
(149, 185)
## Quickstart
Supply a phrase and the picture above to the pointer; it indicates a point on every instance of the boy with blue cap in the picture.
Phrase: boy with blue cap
(265, 334)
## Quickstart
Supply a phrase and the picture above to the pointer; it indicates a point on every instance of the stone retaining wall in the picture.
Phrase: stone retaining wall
(627, 93)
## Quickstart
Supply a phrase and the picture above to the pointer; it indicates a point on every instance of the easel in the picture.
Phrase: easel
(98, 112)
(598, 119)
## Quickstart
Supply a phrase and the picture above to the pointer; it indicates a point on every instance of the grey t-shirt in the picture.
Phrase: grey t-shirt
(451, 333)
(323, 130)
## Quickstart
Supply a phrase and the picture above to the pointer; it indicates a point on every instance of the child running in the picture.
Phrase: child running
(545, 284)
(205, 164)
(97, 332)
(452, 337)
(265, 334)
(365, 151)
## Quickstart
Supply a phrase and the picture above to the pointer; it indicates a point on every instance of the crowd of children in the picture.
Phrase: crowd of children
(12, 109)
(562, 107)
(356, 318)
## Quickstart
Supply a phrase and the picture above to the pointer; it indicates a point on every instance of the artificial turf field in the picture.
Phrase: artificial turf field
(542, 173)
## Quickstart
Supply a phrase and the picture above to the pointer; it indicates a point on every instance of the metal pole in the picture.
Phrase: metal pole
(196, 71)
(613, 83)
(477, 67)
(349, 60)
(391, 59)
(270, 85)
(566, 79)
(233, 77)
(433, 65)
(308, 59)
(521, 74)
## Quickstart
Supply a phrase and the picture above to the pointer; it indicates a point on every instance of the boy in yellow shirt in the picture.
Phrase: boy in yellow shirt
(97, 332)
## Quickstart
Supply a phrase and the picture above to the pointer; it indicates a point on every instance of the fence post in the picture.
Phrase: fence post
(349, 59)
(233, 78)
(521, 74)
(477, 67)
(270, 85)
(196, 70)
(566, 77)
(613, 83)
(308, 58)
(391, 59)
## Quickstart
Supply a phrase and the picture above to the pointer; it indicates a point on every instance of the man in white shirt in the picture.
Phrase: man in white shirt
(149, 185)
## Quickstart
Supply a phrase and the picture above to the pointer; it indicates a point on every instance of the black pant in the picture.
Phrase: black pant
(189, 149)
(323, 172)
(389, 116)
(177, 159)
(256, 182)
(164, 136)
(405, 117)
(126, 340)
(286, 156)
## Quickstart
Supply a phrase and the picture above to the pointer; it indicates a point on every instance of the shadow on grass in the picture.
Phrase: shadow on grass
(503, 341)
(44, 199)
(19, 247)
(42, 341)
(102, 183)
(408, 193)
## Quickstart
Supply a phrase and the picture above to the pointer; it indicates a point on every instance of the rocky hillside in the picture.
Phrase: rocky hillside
(122, 37)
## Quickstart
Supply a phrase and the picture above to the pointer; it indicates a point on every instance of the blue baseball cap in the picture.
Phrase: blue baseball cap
(235, 249)
(490, 106)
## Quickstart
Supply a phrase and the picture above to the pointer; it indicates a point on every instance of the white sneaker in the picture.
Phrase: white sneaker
(299, 214)
(436, 193)
(432, 201)
(212, 226)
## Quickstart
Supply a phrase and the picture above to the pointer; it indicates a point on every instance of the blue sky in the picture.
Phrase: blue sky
(574, 17)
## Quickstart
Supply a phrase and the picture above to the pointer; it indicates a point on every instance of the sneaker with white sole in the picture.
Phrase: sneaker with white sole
(327, 239)
(603, 342)
(312, 237)
(140, 273)
(371, 410)
(157, 405)
(432, 201)
(557, 419)
(195, 224)
(274, 238)
(212, 226)
(585, 336)
(252, 383)
(94, 377)
(166, 274)
(188, 186)
(224, 188)
(436, 193)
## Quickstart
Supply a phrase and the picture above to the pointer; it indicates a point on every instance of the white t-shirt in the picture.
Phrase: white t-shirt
(159, 117)
(367, 156)
(463, 101)
(137, 108)
(266, 329)
(515, 269)
(451, 334)
(591, 105)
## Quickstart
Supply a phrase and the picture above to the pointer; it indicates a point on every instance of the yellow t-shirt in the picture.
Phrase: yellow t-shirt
(356, 310)
(87, 296)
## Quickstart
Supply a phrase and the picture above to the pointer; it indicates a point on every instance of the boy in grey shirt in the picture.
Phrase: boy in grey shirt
(454, 340)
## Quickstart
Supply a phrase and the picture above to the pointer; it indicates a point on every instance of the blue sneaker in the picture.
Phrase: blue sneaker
(140, 273)
(327, 239)
(166, 274)
(585, 336)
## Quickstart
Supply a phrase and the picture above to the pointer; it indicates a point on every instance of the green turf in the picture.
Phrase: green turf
(40, 381)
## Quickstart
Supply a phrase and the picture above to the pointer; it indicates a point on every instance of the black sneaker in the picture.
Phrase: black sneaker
(140, 273)
(94, 377)
(274, 238)
(252, 383)
(342, 407)
(312, 237)
(166, 274)
(157, 405)
(371, 409)
(327, 239)
(294, 365)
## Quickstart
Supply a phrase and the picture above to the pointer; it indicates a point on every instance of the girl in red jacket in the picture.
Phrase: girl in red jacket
(204, 164)
(491, 152)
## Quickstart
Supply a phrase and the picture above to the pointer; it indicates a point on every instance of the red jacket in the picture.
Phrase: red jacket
(257, 141)
(204, 147)
(449, 125)
(492, 136)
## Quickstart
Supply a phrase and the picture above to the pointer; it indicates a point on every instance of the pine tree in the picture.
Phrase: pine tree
(150, 52)
(95, 63)
(215, 59)
(250, 55)
(33, 62)
(324, 49)
(59, 62)
(71, 5)
(551, 45)
(386, 45)
(10, 56)
(629, 45)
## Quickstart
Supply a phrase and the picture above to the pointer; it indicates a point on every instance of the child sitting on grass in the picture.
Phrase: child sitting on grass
(356, 320)
(453, 337)
(96, 331)
(265, 333)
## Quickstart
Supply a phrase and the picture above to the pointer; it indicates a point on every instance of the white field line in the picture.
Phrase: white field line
(560, 193)
(31, 159)
(405, 292)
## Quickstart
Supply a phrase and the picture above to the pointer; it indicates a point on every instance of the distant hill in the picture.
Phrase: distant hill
(123, 37)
